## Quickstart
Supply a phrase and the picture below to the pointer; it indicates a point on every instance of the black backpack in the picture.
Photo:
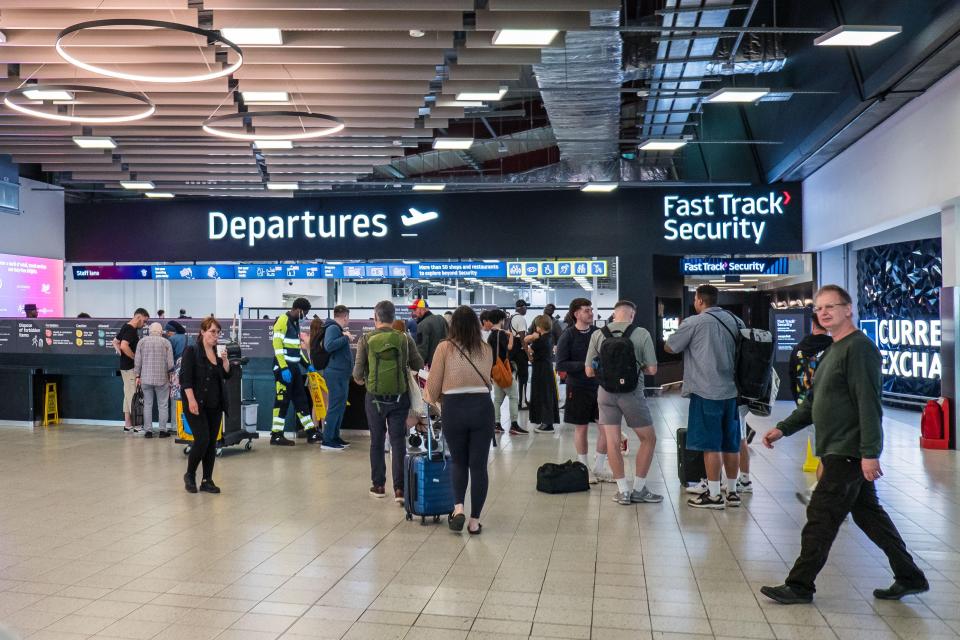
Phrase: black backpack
(619, 371)
(567, 477)
(319, 356)
(752, 363)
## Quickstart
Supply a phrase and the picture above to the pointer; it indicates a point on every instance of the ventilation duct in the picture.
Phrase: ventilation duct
(758, 53)
(590, 59)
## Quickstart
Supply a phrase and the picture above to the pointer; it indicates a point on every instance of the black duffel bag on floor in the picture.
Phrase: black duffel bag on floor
(567, 477)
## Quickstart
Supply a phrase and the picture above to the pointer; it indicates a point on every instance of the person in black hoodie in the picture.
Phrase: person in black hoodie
(805, 358)
(581, 406)
(203, 373)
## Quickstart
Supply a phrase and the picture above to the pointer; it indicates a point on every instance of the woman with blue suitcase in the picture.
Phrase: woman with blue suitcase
(460, 380)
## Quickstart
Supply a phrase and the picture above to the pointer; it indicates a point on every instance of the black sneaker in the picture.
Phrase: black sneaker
(786, 595)
(342, 442)
(545, 428)
(706, 501)
(733, 499)
(497, 428)
(314, 436)
(277, 438)
(148, 434)
(517, 430)
(898, 590)
(189, 483)
(208, 486)
(164, 434)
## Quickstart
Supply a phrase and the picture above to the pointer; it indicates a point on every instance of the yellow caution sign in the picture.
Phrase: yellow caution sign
(811, 462)
(51, 411)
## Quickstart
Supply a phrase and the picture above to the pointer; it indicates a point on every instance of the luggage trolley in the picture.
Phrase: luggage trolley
(241, 423)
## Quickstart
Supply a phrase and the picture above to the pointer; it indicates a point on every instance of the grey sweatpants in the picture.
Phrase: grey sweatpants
(162, 393)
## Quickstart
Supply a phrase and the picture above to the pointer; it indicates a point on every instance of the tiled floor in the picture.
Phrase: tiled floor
(98, 539)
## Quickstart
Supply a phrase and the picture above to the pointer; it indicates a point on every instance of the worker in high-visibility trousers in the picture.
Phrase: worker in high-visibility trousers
(288, 373)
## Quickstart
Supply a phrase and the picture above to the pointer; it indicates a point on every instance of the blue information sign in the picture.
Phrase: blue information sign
(734, 266)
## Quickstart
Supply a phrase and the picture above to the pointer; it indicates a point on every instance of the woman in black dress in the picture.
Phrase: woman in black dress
(544, 403)
(202, 381)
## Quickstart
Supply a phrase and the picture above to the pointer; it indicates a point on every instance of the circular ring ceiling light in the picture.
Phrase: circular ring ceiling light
(211, 36)
(10, 96)
(334, 125)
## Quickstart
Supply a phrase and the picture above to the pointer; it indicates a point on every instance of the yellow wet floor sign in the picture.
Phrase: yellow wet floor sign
(811, 462)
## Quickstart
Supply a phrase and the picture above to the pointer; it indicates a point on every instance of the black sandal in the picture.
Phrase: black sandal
(456, 522)
(475, 532)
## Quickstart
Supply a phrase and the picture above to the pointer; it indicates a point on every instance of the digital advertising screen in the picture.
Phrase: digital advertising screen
(28, 280)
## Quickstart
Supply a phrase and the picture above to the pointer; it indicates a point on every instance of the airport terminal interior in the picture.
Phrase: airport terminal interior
(246, 240)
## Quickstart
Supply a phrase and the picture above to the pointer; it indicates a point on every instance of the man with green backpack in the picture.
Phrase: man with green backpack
(384, 359)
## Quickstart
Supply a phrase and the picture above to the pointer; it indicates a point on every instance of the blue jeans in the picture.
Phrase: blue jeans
(338, 384)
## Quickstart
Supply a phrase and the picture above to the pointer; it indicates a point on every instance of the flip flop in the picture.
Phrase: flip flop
(456, 522)
(477, 531)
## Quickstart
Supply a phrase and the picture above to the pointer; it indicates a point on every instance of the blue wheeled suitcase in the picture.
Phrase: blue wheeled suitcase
(427, 485)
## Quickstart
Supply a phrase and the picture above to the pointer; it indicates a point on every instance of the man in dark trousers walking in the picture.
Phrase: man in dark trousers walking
(845, 405)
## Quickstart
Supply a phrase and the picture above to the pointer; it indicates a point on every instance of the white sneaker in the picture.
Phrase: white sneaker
(698, 488)
(603, 473)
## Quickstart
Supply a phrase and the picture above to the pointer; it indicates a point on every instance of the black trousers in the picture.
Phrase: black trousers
(205, 428)
(468, 430)
(843, 490)
(387, 416)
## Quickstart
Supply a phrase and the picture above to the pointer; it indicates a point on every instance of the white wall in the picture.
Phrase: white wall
(905, 169)
(38, 229)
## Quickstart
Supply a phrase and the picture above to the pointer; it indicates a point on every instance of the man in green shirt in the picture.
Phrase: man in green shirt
(844, 402)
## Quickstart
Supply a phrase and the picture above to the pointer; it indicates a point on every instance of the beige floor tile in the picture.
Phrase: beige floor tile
(802, 632)
(545, 630)
(372, 631)
(263, 622)
(134, 629)
(455, 623)
(319, 628)
(73, 623)
(108, 609)
(64, 605)
(428, 633)
(514, 627)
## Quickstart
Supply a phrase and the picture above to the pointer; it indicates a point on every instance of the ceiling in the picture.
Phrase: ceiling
(616, 74)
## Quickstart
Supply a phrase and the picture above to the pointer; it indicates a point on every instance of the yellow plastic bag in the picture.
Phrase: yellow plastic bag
(319, 394)
(184, 434)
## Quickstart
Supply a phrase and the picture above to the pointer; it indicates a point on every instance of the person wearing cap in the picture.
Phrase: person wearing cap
(518, 325)
(556, 328)
(288, 373)
(152, 365)
(176, 334)
(431, 329)
(30, 310)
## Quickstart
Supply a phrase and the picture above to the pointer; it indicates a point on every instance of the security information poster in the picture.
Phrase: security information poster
(26, 280)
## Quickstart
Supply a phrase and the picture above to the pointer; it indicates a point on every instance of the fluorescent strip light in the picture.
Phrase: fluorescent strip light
(737, 94)
(429, 187)
(452, 143)
(265, 97)
(283, 186)
(661, 145)
(482, 95)
(857, 35)
(136, 184)
(158, 194)
(94, 142)
(524, 37)
(273, 144)
(39, 94)
(599, 187)
(269, 35)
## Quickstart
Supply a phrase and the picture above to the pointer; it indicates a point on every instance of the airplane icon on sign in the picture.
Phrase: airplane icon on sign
(418, 217)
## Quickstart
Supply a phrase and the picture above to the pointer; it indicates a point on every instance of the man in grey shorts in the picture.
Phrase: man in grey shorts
(628, 405)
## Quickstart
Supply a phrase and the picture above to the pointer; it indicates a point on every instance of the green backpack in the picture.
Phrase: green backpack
(387, 362)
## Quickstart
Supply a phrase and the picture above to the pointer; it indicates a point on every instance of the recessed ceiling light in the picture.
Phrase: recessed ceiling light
(737, 94)
(661, 145)
(158, 194)
(253, 36)
(283, 186)
(452, 143)
(137, 184)
(599, 187)
(40, 94)
(94, 142)
(482, 95)
(265, 97)
(417, 33)
(273, 144)
(856, 35)
(429, 187)
(524, 37)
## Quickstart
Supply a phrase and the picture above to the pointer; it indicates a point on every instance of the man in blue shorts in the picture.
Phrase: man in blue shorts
(707, 343)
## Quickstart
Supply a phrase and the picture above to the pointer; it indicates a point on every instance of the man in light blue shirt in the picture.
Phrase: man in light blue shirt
(709, 345)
